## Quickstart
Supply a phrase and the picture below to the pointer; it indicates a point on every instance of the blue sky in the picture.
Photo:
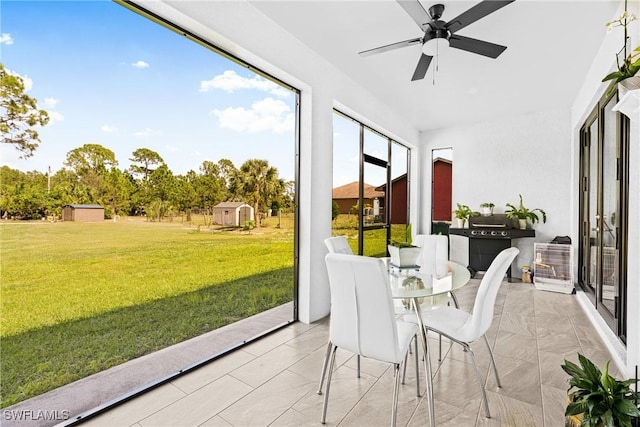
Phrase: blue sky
(111, 77)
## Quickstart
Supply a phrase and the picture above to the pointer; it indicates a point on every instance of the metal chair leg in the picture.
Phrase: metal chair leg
(415, 340)
(326, 394)
(394, 408)
(324, 367)
(480, 382)
(404, 368)
(493, 361)
(358, 364)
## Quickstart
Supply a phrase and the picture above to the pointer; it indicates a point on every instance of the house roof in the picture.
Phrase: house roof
(383, 187)
(231, 205)
(351, 190)
(82, 206)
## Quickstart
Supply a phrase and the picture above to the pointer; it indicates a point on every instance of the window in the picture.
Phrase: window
(371, 186)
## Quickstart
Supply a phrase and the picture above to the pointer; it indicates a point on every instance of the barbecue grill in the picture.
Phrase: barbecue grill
(488, 236)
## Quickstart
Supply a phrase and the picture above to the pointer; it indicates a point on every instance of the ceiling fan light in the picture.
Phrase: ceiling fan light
(434, 46)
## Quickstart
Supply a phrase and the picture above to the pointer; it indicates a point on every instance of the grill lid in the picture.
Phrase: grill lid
(499, 221)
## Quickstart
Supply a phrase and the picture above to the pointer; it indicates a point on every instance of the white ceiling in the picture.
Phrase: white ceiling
(550, 45)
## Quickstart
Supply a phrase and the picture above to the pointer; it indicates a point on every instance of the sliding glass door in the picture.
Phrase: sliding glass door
(603, 202)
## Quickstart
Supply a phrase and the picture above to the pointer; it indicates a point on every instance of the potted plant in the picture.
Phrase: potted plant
(487, 208)
(596, 398)
(462, 215)
(524, 214)
(404, 254)
(631, 63)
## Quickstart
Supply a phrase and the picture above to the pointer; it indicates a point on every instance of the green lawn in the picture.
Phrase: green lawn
(79, 298)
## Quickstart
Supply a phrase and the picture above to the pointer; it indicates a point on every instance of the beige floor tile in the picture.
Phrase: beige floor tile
(509, 412)
(520, 380)
(266, 403)
(200, 405)
(216, 421)
(139, 408)
(516, 346)
(212, 371)
(554, 403)
(264, 367)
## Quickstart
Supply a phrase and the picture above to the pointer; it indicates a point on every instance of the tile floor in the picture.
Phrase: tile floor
(273, 381)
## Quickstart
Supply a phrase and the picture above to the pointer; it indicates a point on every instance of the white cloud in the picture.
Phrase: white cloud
(50, 102)
(140, 64)
(229, 81)
(108, 128)
(54, 116)
(144, 132)
(6, 38)
(266, 115)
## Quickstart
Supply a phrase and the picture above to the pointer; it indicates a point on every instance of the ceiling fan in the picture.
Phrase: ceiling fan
(437, 32)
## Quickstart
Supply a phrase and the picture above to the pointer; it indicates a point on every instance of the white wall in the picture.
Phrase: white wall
(496, 161)
(322, 86)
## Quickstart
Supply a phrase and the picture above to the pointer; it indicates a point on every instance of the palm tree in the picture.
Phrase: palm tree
(259, 182)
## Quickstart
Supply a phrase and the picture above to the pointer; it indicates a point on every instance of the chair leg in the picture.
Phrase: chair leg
(480, 382)
(358, 364)
(493, 362)
(326, 394)
(394, 408)
(404, 368)
(415, 340)
(324, 367)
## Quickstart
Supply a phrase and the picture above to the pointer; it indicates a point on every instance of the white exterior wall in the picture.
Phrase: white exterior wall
(234, 26)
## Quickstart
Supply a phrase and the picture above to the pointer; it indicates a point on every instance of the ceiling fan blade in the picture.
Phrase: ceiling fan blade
(389, 47)
(416, 12)
(421, 69)
(480, 47)
(478, 11)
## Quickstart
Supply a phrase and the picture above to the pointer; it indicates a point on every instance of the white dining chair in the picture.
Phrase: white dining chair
(335, 245)
(363, 320)
(433, 260)
(465, 328)
(435, 248)
(338, 245)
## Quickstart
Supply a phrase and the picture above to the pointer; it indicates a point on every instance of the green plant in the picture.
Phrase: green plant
(487, 205)
(408, 242)
(598, 397)
(463, 212)
(522, 212)
(630, 64)
(249, 225)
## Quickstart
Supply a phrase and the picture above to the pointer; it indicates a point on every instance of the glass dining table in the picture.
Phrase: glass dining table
(413, 287)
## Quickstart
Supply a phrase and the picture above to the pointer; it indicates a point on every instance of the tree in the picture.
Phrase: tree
(90, 157)
(209, 186)
(259, 183)
(147, 158)
(19, 114)
(118, 190)
(91, 163)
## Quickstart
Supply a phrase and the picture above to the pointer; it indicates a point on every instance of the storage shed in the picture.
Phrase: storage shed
(82, 213)
(232, 213)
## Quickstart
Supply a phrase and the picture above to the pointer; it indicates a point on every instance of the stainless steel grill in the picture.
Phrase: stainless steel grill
(488, 236)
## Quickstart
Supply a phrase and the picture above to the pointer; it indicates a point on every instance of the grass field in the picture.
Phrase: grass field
(78, 298)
